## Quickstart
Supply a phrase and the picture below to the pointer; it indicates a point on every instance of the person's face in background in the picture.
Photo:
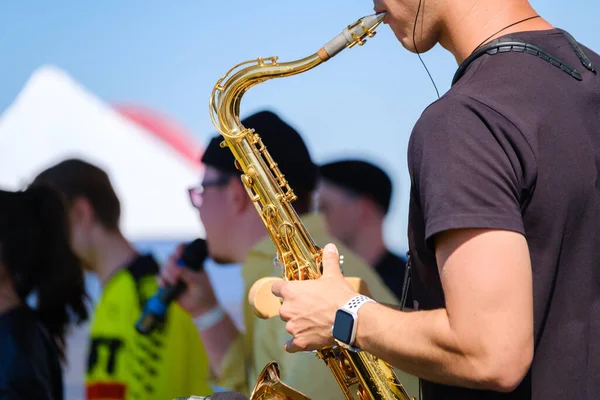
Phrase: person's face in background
(214, 201)
(82, 223)
(340, 208)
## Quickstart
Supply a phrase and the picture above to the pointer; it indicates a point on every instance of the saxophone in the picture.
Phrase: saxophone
(272, 196)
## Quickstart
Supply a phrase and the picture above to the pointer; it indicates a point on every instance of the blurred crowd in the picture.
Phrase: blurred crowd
(204, 338)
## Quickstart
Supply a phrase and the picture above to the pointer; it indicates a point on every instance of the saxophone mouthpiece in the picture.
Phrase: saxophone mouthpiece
(352, 35)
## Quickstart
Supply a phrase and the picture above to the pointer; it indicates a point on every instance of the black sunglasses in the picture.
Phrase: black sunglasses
(196, 192)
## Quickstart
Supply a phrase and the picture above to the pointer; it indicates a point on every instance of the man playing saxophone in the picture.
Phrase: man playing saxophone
(235, 234)
(503, 219)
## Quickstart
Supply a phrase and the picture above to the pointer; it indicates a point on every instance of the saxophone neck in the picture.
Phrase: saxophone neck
(227, 93)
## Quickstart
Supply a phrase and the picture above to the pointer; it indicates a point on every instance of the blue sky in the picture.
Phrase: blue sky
(168, 55)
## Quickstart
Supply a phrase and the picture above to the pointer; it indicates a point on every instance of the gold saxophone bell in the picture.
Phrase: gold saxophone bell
(359, 375)
(269, 386)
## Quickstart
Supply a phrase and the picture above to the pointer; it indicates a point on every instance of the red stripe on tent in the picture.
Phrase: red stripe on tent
(165, 129)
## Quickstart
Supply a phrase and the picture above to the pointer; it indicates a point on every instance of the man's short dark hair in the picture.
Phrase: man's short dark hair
(76, 178)
(360, 177)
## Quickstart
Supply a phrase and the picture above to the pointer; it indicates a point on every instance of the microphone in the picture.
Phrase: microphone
(155, 309)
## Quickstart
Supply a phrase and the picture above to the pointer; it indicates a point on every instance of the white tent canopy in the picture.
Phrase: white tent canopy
(54, 118)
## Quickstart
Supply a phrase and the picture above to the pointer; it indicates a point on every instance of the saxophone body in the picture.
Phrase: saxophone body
(359, 375)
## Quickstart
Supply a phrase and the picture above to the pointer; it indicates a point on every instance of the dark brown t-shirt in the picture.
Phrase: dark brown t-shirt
(392, 271)
(515, 145)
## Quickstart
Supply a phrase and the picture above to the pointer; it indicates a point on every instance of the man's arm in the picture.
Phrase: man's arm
(484, 337)
(198, 299)
(217, 339)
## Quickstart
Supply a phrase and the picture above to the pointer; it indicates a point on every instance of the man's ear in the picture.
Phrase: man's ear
(81, 212)
(240, 199)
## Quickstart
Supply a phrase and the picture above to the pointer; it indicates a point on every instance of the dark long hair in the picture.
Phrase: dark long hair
(35, 251)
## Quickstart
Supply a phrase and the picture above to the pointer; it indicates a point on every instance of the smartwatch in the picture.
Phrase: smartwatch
(346, 320)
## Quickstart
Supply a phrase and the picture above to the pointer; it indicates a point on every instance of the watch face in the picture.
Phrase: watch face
(343, 325)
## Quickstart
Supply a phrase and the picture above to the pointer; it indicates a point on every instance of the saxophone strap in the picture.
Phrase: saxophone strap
(508, 45)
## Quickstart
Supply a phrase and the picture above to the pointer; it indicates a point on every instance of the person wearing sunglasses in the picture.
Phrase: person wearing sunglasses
(236, 234)
(223, 271)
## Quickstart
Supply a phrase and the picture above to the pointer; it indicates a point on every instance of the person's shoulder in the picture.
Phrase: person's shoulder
(138, 277)
(121, 282)
(23, 330)
(453, 112)
(139, 268)
(142, 266)
(117, 305)
(448, 109)
(27, 351)
(592, 54)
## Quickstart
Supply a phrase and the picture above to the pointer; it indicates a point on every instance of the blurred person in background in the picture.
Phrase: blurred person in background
(236, 234)
(36, 258)
(122, 363)
(354, 196)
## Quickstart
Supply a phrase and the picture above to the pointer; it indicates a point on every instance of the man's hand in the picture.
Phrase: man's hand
(309, 307)
(198, 296)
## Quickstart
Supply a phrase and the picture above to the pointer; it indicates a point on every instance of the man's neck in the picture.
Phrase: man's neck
(465, 29)
(249, 232)
(368, 243)
(113, 252)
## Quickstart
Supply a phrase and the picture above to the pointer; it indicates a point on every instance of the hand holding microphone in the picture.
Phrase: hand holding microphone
(192, 258)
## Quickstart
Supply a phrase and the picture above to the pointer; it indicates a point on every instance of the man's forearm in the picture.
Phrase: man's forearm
(420, 343)
(216, 341)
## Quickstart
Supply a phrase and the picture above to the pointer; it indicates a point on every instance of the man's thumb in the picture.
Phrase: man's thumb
(331, 261)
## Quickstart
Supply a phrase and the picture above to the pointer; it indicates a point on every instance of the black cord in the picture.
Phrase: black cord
(506, 27)
(417, 50)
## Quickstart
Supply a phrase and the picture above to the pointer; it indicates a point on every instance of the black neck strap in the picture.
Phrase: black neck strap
(510, 45)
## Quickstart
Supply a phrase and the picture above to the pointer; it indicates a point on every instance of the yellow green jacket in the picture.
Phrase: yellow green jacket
(123, 364)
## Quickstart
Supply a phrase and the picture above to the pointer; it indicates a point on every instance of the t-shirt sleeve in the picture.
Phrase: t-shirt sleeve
(467, 166)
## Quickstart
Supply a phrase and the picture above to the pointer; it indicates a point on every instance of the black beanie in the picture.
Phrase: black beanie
(362, 178)
(282, 141)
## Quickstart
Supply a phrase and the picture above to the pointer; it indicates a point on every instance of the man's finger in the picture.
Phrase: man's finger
(192, 277)
(277, 287)
(290, 347)
(331, 261)
(171, 273)
(176, 255)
